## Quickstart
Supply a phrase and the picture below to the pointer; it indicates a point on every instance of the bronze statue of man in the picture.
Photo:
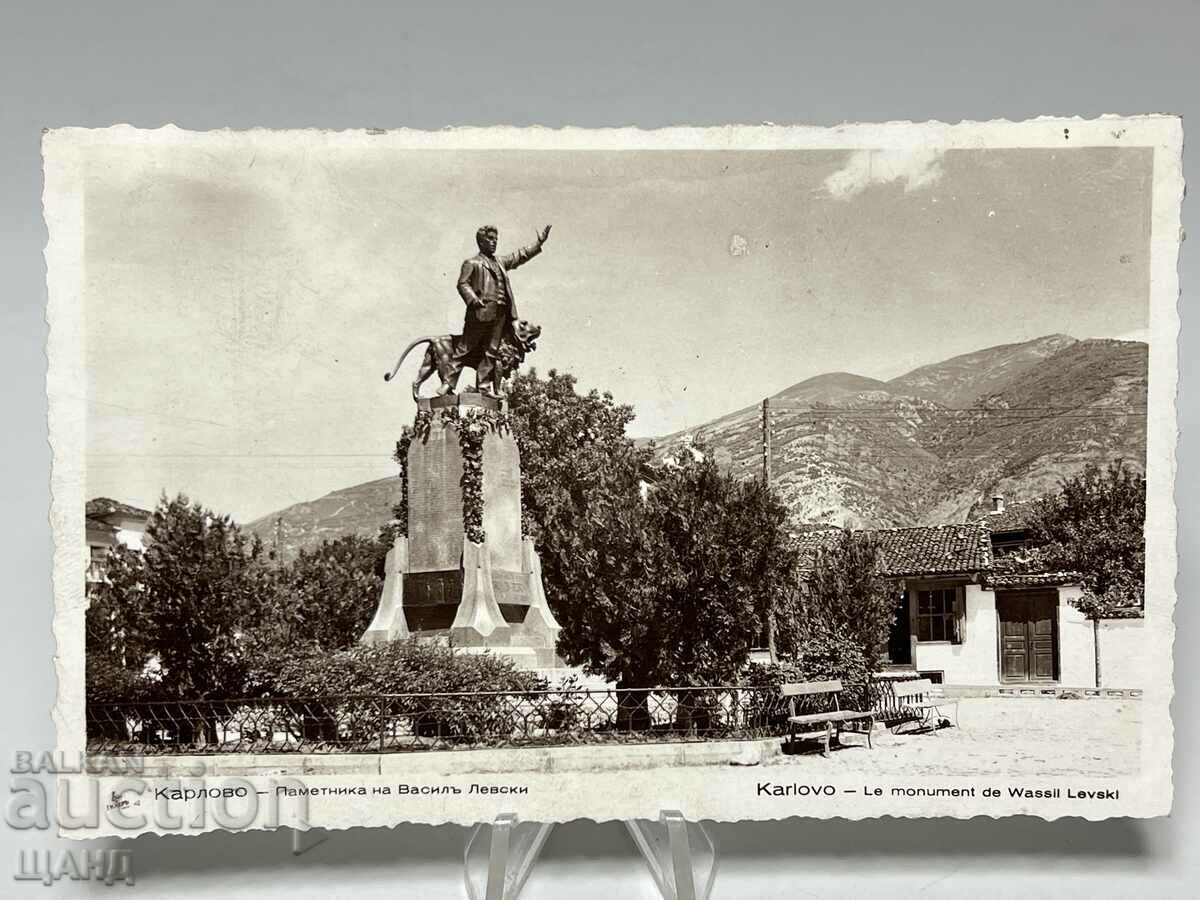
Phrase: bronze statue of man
(491, 309)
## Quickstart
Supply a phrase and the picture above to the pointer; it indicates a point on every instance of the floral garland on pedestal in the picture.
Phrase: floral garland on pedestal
(472, 427)
(528, 525)
(400, 510)
(420, 429)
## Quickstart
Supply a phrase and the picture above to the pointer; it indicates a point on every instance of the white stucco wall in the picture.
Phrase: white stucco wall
(131, 531)
(1122, 653)
(973, 662)
(134, 540)
(1076, 654)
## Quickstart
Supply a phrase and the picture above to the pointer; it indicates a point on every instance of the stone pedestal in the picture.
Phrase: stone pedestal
(441, 582)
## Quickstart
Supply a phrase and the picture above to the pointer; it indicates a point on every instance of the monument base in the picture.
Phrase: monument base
(464, 609)
(464, 572)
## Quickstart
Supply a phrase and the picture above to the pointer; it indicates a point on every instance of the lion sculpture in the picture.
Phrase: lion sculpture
(518, 340)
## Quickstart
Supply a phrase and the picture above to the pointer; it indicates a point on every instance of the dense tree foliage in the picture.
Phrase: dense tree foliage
(580, 480)
(327, 594)
(843, 597)
(178, 615)
(203, 612)
(1095, 525)
(664, 586)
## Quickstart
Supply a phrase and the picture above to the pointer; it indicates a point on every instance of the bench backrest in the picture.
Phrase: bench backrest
(809, 689)
(799, 689)
(915, 688)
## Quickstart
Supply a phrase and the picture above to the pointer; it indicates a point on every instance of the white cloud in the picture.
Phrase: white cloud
(917, 168)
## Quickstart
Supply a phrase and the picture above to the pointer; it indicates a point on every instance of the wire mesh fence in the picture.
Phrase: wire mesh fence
(393, 723)
(447, 721)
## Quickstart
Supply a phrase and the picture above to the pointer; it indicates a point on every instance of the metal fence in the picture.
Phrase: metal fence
(884, 703)
(393, 723)
(449, 721)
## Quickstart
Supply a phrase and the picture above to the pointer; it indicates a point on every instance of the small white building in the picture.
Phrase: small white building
(109, 523)
(964, 621)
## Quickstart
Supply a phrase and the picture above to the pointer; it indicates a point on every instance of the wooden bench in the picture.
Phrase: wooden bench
(920, 701)
(822, 726)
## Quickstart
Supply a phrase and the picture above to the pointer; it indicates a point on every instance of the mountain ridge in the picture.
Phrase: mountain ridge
(921, 448)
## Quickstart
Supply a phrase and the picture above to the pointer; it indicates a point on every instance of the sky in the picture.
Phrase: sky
(241, 303)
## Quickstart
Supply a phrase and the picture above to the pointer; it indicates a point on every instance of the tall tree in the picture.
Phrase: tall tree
(1095, 525)
(327, 595)
(182, 610)
(844, 595)
(698, 562)
(580, 477)
(662, 586)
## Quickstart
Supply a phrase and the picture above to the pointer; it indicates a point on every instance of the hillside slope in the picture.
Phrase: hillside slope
(922, 448)
(1086, 403)
(360, 509)
(961, 380)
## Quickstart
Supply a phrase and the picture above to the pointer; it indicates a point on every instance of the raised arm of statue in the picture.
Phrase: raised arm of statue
(525, 254)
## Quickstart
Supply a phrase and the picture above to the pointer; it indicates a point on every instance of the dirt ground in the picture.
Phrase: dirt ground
(999, 736)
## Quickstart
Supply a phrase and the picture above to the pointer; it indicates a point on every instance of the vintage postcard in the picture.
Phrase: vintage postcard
(750, 472)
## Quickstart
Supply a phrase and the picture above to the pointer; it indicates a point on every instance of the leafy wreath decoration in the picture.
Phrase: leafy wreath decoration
(472, 427)
(419, 430)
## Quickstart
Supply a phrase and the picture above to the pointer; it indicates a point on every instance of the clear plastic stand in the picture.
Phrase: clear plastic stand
(304, 839)
(681, 855)
(496, 868)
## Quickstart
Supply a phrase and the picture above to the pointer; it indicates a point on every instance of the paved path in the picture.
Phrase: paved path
(997, 736)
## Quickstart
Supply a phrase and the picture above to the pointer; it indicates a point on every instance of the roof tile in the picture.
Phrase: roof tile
(104, 506)
(923, 550)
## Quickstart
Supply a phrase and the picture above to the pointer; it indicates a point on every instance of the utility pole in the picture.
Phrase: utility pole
(766, 477)
(766, 441)
(278, 540)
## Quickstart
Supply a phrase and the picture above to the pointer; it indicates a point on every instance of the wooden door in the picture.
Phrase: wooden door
(1014, 642)
(1028, 636)
(1043, 638)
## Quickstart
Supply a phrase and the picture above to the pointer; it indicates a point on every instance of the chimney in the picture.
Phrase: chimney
(997, 503)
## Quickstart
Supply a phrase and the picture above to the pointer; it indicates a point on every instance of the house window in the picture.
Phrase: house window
(937, 615)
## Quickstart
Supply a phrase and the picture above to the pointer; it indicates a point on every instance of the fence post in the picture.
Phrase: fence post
(382, 707)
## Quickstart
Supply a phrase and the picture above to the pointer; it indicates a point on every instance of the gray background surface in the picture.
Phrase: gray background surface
(354, 64)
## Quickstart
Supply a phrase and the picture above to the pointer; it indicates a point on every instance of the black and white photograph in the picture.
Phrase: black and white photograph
(789, 471)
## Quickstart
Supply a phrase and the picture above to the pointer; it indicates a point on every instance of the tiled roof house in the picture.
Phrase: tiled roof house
(966, 615)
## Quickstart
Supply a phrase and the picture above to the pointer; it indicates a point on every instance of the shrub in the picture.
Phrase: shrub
(843, 595)
(827, 656)
(109, 682)
(328, 593)
(341, 680)
(823, 656)
(399, 667)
